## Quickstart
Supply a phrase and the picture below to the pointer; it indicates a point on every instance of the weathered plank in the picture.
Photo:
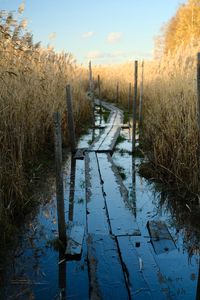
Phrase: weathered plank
(160, 237)
(106, 141)
(75, 235)
(150, 270)
(106, 274)
(97, 220)
(139, 290)
(121, 217)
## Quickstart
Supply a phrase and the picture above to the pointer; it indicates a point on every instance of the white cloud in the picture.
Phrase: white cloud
(87, 35)
(114, 37)
(52, 36)
(104, 55)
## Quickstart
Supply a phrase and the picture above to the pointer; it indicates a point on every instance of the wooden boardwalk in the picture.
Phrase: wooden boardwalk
(117, 262)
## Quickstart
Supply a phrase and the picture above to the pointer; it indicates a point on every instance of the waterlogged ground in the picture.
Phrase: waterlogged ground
(35, 269)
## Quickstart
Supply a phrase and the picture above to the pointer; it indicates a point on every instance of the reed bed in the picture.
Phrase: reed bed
(169, 130)
(32, 87)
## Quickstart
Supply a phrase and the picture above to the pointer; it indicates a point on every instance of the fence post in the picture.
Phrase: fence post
(59, 178)
(70, 119)
(99, 89)
(129, 98)
(91, 87)
(134, 106)
(141, 95)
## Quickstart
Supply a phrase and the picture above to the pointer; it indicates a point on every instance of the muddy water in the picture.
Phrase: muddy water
(35, 271)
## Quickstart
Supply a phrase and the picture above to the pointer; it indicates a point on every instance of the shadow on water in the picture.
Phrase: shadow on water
(36, 270)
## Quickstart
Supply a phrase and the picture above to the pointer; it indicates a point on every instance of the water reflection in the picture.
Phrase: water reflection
(62, 275)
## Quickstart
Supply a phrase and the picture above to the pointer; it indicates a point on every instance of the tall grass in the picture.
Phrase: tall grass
(170, 131)
(32, 87)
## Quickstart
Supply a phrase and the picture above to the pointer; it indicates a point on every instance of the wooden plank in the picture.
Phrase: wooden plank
(121, 217)
(75, 235)
(97, 220)
(139, 290)
(79, 202)
(160, 237)
(150, 270)
(106, 274)
(107, 140)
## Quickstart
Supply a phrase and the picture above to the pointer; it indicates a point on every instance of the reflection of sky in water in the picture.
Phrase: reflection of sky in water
(35, 262)
(180, 269)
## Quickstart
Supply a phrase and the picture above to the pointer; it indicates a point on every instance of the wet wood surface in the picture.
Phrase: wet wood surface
(106, 273)
(97, 220)
(116, 261)
(75, 236)
(121, 217)
(106, 141)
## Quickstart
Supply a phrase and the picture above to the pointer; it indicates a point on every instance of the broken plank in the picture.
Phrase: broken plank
(97, 220)
(75, 235)
(161, 238)
(107, 278)
(121, 217)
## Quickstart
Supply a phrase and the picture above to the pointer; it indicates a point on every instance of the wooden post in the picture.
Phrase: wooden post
(134, 106)
(117, 93)
(91, 87)
(99, 88)
(129, 97)
(70, 119)
(129, 101)
(141, 95)
(198, 103)
(59, 178)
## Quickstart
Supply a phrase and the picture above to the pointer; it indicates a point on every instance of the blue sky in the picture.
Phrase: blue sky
(105, 31)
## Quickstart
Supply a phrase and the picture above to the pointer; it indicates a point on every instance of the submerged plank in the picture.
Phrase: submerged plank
(160, 237)
(107, 278)
(75, 235)
(156, 284)
(97, 220)
(121, 217)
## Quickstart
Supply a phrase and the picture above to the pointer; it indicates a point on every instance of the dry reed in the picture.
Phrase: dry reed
(32, 87)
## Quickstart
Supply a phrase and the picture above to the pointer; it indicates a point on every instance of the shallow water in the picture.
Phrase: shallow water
(34, 271)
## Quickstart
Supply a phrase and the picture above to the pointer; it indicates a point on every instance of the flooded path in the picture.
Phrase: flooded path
(136, 245)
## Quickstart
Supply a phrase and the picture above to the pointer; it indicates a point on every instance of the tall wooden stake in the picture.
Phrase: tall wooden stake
(91, 87)
(70, 119)
(141, 95)
(99, 89)
(134, 106)
(59, 178)
(129, 97)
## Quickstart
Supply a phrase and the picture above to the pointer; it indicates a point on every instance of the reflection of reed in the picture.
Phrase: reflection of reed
(62, 274)
(72, 188)
(134, 187)
(185, 218)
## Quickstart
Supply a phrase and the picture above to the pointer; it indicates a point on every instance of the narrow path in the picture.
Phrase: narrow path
(116, 250)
